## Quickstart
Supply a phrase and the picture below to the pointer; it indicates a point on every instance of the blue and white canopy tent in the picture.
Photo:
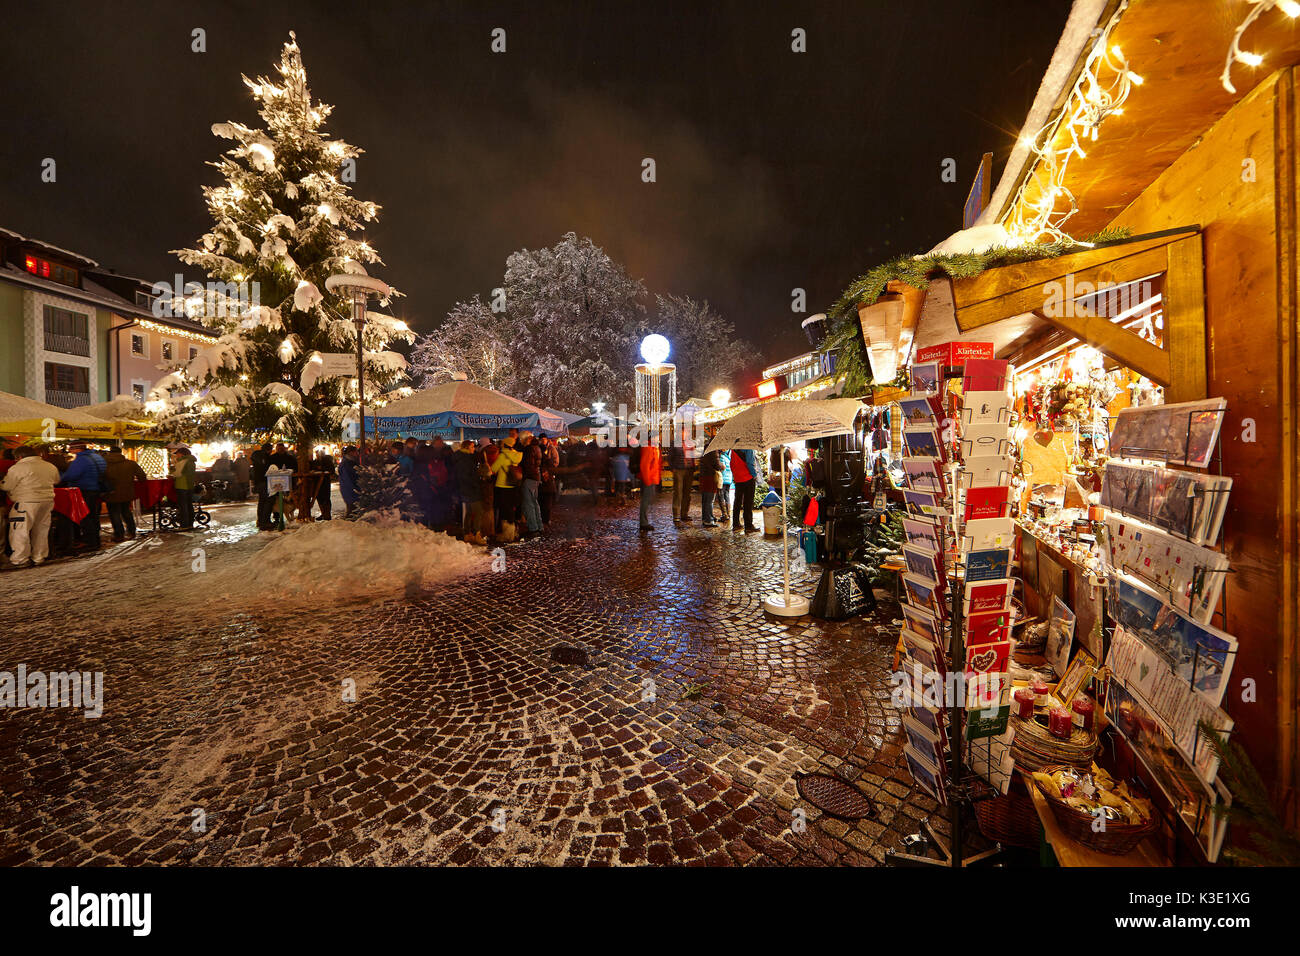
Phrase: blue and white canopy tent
(462, 410)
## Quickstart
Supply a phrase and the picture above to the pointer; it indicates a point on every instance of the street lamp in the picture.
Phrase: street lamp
(358, 286)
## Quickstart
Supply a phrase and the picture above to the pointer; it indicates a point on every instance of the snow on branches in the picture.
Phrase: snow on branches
(283, 220)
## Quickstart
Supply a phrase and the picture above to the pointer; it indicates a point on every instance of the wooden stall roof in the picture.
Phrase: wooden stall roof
(1178, 47)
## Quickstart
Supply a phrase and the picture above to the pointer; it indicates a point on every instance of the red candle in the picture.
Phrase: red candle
(1084, 713)
(1040, 692)
(1060, 723)
(1024, 698)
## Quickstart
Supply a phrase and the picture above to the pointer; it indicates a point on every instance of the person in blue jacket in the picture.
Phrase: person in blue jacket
(724, 494)
(86, 472)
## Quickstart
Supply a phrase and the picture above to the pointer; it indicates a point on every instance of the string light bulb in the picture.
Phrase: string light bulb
(1247, 57)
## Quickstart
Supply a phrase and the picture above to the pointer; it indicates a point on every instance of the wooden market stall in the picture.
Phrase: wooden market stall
(1193, 188)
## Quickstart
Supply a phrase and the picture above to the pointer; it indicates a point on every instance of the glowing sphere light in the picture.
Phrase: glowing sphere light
(654, 349)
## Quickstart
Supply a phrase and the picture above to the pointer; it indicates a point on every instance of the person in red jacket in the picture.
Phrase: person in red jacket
(651, 472)
(744, 469)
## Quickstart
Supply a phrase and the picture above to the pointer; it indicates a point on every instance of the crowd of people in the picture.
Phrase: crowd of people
(485, 490)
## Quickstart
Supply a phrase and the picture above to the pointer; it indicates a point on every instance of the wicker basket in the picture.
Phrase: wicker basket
(1117, 838)
(1010, 818)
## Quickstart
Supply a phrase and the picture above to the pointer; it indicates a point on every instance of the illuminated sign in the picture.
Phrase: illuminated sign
(767, 389)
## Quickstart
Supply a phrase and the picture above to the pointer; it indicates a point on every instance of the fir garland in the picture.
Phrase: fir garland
(845, 338)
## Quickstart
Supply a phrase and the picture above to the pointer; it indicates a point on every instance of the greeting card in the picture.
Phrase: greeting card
(987, 658)
(923, 411)
(984, 375)
(984, 534)
(987, 628)
(987, 596)
(988, 565)
(991, 502)
(924, 474)
(923, 562)
(921, 534)
(985, 439)
(922, 443)
(926, 377)
(985, 407)
(985, 470)
(923, 503)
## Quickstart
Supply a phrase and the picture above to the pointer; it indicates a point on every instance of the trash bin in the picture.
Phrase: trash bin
(773, 515)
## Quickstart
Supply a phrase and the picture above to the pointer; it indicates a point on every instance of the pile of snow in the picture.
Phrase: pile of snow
(346, 558)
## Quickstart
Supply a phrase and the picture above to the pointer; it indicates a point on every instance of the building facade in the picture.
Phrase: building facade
(76, 334)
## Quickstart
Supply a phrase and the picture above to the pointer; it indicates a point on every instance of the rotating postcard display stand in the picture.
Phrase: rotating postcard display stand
(956, 634)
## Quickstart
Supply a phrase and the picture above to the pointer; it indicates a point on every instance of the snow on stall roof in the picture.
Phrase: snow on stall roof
(51, 247)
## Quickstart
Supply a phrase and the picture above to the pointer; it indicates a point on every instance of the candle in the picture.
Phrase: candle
(1024, 698)
(1084, 713)
(1060, 723)
(1040, 693)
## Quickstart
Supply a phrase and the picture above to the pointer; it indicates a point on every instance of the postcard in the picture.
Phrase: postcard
(924, 474)
(984, 534)
(985, 470)
(988, 565)
(923, 503)
(923, 411)
(985, 440)
(921, 534)
(932, 719)
(922, 443)
(1199, 655)
(1060, 636)
(923, 622)
(980, 408)
(991, 502)
(925, 595)
(984, 375)
(1182, 434)
(923, 740)
(988, 596)
(987, 628)
(987, 658)
(926, 378)
(1191, 576)
(923, 562)
(926, 774)
(923, 651)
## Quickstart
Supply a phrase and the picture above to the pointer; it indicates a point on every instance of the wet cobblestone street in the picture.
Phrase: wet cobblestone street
(677, 742)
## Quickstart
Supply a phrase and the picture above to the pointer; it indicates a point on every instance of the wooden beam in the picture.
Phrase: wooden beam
(1184, 309)
(1125, 347)
(913, 302)
(1036, 296)
(993, 283)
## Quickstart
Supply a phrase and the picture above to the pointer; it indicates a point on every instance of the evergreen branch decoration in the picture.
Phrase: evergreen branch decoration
(1269, 841)
(846, 338)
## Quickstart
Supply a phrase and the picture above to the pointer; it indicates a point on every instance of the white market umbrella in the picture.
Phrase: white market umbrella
(765, 426)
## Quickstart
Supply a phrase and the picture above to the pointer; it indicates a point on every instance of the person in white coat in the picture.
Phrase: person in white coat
(29, 483)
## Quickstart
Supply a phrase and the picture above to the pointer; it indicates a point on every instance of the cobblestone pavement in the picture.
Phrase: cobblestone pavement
(468, 743)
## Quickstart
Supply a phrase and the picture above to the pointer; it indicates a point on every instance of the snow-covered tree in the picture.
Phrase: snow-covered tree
(566, 336)
(283, 220)
(472, 339)
(706, 349)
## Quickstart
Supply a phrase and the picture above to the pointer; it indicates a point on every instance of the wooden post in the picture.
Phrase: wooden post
(1184, 307)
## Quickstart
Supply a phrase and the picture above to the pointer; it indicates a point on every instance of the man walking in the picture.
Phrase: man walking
(87, 474)
(122, 474)
(261, 461)
(348, 479)
(323, 465)
(648, 467)
(744, 469)
(532, 465)
(683, 475)
(29, 483)
(183, 476)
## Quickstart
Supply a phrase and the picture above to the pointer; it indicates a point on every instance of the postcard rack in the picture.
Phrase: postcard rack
(963, 787)
(1215, 466)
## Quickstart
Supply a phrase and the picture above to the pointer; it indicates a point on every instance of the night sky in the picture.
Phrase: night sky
(775, 169)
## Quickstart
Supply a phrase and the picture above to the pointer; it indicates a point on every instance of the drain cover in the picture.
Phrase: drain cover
(833, 796)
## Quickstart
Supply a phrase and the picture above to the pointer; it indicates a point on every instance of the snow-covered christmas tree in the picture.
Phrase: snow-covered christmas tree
(384, 493)
(284, 220)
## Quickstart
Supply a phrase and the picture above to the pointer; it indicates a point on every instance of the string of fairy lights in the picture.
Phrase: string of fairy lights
(1101, 89)
(1247, 57)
